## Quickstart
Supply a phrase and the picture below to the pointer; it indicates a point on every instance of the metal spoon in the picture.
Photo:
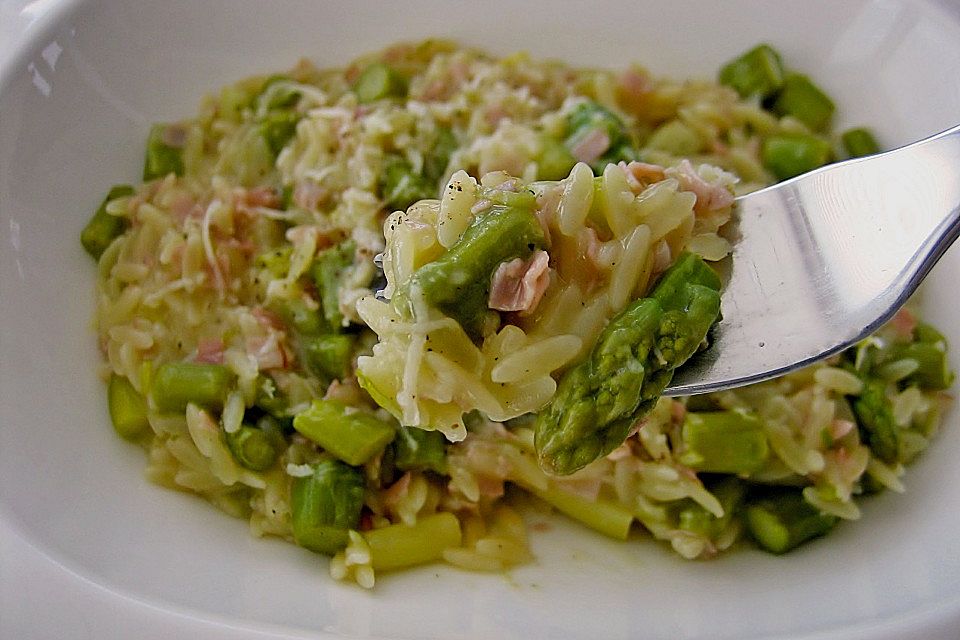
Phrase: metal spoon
(822, 260)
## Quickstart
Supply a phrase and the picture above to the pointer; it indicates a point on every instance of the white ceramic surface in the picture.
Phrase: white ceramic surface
(88, 549)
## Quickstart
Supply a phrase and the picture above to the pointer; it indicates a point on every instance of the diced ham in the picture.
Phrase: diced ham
(261, 197)
(904, 323)
(490, 487)
(640, 175)
(209, 351)
(840, 428)
(268, 351)
(397, 490)
(519, 285)
(710, 197)
(591, 146)
(174, 135)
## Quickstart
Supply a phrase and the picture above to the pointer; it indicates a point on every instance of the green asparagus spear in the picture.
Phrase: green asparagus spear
(324, 506)
(859, 142)
(399, 545)
(163, 157)
(327, 271)
(785, 520)
(419, 449)
(379, 81)
(933, 371)
(436, 160)
(875, 418)
(804, 100)
(724, 442)
(253, 447)
(401, 186)
(600, 399)
(176, 384)
(103, 228)
(300, 317)
(694, 518)
(555, 161)
(277, 128)
(275, 97)
(790, 155)
(128, 409)
(329, 355)
(458, 283)
(348, 434)
(758, 72)
(589, 117)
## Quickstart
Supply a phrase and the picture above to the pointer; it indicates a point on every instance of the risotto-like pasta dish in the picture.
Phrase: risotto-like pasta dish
(370, 309)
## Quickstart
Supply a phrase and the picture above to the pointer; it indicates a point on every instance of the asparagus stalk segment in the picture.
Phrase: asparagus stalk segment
(805, 101)
(103, 228)
(379, 81)
(859, 142)
(458, 283)
(600, 399)
(790, 155)
(162, 158)
(784, 521)
(327, 271)
(128, 409)
(724, 442)
(758, 72)
(324, 506)
(874, 414)
(419, 449)
(176, 384)
(399, 545)
(330, 355)
(348, 434)
(254, 448)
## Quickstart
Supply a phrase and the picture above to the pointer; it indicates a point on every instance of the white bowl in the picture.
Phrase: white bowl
(116, 556)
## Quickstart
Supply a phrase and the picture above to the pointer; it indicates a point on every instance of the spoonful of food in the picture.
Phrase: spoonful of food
(822, 260)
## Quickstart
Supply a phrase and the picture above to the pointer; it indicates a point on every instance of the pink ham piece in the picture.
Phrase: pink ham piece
(519, 285)
(209, 351)
(710, 197)
(591, 146)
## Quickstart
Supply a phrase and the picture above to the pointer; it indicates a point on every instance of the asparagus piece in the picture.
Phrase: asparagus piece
(600, 399)
(929, 351)
(585, 120)
(436, 161)
(859, 142)
(176, 384)
(790, 155)
(277, 128)
(379, 81)
(458, 283)
(401, 186)
(758, 72)
(348, 434)
(724, 442)
(128, 409)
(785, 520)
(327, 271)
(256, 448)
(163, 158)
(419, 449)
(694, 518)
(804, 100)
(555, 161)
(399, 545)
(324, 506)
(304, 320)
(875, 419)
(103, 228)
(329, 355)
(273, 97)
